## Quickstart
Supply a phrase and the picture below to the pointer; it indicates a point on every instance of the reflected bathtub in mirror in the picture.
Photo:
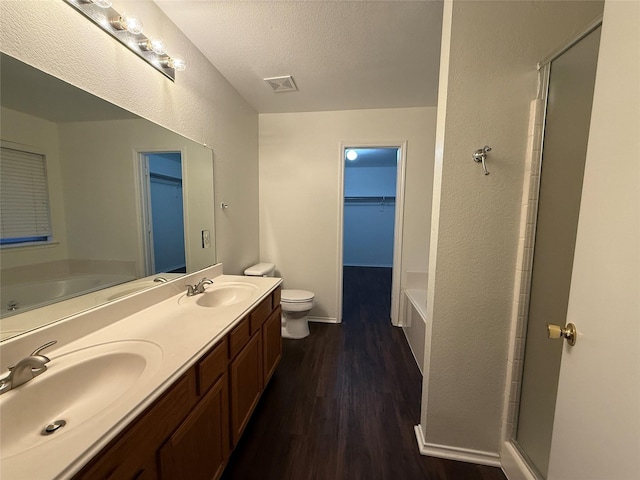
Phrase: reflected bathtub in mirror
(101, 229)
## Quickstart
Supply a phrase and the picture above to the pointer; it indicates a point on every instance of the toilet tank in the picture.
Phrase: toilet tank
(261, 270)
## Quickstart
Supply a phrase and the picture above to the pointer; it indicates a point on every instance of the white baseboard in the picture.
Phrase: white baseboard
(513, 465)
(323, 319)
(455, 453)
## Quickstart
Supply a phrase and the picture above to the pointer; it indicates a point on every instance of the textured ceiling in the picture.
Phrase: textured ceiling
(341, 54)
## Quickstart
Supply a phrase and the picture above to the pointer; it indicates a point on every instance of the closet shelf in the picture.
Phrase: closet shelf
(370, 200)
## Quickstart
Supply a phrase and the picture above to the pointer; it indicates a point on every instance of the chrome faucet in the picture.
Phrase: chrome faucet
(199, 287)
(26, 369)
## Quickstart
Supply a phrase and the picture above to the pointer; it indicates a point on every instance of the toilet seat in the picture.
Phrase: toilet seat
(296, 296)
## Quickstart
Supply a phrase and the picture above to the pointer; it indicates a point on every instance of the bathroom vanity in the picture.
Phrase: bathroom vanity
(178, 412)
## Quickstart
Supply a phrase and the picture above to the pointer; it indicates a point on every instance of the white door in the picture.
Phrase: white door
(566, 135)
(596, 431)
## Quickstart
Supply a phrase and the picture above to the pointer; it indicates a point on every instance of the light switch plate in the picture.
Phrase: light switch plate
(206, 239)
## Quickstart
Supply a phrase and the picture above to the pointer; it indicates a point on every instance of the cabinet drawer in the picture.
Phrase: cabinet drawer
(211, 367)
(260, 314)
(239, 337)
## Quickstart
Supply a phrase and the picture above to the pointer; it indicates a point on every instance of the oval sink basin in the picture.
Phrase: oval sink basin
(75, 388)
(222, 295)
(226, 294)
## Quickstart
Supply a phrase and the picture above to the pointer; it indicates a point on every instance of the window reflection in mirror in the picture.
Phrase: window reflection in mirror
(98, 248)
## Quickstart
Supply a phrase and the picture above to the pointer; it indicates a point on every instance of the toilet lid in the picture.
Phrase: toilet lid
(260, 269)
(296, 296)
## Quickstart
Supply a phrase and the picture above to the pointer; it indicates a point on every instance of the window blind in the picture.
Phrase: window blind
(24, 197)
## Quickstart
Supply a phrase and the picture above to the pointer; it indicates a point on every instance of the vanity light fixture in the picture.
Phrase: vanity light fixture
(175, 62)
(155, 44)
(100, 3)
(103, 3)
(128, 22)
(127, 29)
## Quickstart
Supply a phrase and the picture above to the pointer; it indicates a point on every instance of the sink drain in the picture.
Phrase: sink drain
(53, 427)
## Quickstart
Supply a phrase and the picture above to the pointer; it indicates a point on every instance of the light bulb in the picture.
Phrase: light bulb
(155, 44)
(128, 22)
(177, 63)
(352, 154)
(132, 23)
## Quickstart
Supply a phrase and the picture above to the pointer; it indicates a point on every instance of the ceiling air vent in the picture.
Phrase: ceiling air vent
(281, 84)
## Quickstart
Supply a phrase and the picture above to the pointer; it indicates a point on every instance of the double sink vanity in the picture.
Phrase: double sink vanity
(156, 385)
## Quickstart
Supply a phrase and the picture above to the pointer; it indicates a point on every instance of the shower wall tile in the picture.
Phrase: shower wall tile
(532, 212)
(530, 235)
(523, 281)
(524, 264)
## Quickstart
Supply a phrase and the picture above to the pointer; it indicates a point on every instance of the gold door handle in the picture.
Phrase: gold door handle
(569, 332)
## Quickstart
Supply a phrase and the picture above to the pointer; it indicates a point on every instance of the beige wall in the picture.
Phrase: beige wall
(40, 136)
(300, 174)
(488, 79)
(101, 186)
(200, 105)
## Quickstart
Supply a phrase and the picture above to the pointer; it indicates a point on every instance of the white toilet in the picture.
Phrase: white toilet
(296, 304)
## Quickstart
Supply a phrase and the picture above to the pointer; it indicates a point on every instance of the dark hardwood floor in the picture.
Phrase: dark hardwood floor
(343, 402)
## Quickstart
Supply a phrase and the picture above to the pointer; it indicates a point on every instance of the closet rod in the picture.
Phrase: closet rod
(371, 198)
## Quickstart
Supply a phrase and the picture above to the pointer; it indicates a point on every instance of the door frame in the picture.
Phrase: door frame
(513, 460)
(143, 205)
(398, 222)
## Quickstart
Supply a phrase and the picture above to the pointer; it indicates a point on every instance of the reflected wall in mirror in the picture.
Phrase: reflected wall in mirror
(101, 215)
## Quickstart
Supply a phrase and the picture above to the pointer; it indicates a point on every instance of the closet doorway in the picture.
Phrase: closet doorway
(371, 234)
(163, 212)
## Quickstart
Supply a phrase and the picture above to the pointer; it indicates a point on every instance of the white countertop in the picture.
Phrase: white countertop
(183, 332)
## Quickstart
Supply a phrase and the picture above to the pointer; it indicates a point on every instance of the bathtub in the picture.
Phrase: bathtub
(21, 298)
(415, 323)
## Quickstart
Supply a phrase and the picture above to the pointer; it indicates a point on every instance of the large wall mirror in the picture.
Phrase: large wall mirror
(124, 203)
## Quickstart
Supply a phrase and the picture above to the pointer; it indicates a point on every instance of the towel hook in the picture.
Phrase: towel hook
(480, 155)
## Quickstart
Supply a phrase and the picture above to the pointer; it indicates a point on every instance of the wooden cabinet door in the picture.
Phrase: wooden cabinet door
(271, 344)
(133, 454)
(246, 385)
(149, 470)
(199, 448)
